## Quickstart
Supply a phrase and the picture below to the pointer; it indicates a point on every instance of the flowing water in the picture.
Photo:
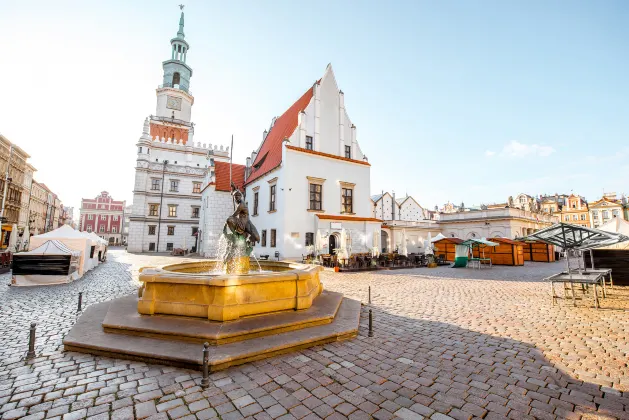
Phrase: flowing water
(221, 253)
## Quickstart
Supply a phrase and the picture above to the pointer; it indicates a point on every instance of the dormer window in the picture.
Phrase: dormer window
(348, 152)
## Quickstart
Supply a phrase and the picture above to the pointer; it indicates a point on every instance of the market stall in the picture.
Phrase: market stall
(507, 252)
(577, 239)
(50, 263)
(447, 247)
(538, 251)
(72, 239)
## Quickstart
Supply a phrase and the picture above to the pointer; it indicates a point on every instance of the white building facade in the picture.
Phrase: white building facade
(170, 167)
(308, 178)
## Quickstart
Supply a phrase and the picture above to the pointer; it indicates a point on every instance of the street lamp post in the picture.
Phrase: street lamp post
(161, 200)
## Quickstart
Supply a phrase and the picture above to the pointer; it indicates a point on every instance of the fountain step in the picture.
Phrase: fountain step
(88, 336)
(123, 318)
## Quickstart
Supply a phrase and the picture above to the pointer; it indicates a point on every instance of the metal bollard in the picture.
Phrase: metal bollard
(370, 324)
(31, 342)
(80, 308)
(370, 295)
(205, 381)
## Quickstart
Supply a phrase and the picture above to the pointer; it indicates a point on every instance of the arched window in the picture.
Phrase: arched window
(176, 78)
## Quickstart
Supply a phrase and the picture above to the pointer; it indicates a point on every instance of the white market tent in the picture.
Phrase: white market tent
(616, 225)
(50, 263)
(72, 239)
(438, 237)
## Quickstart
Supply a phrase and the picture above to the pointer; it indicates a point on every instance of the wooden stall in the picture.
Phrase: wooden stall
(538, 251)
(446, 246)
(508, 252)
(616, 259)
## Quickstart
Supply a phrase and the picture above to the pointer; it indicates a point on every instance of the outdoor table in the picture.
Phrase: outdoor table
(479, 262)
(604, 271)
(594, 279)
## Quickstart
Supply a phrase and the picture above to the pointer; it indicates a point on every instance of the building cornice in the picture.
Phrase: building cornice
(168, 195)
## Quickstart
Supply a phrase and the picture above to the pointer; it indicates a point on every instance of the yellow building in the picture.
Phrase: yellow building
(605, 209)
(575, 211)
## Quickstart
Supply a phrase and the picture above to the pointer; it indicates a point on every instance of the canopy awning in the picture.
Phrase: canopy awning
(478, 242)
(570, 236)
(51, 247)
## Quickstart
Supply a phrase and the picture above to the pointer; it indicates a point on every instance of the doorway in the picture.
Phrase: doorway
(384, 241)
(332, 244)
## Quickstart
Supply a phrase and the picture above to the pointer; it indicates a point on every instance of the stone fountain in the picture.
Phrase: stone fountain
(245, 313)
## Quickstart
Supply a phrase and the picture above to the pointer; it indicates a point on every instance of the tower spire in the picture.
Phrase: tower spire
(180, 33)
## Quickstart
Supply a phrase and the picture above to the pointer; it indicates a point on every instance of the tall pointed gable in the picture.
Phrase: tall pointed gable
(269, 156)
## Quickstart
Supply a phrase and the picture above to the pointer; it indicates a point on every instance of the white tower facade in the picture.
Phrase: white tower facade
(170, 167)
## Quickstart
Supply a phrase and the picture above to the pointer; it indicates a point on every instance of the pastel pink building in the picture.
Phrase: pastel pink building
(104, 216)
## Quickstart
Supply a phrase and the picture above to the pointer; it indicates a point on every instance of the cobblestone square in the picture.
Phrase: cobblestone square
(447, 344)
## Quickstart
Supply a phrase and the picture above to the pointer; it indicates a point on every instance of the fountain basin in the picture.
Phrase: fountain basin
(187, 290)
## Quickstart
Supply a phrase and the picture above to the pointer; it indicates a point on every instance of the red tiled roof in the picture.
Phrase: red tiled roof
(270, 155)
(328, 155)
(221, 172)
(348, 218)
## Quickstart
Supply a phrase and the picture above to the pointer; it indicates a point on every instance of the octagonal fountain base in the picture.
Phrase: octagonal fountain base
(292, 313)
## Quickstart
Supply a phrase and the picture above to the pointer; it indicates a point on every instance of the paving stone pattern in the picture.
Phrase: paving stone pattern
(447, 344)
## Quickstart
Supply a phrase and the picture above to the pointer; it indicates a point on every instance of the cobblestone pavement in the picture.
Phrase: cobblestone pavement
(447, 344)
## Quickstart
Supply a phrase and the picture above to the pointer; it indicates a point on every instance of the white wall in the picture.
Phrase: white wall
(217, 206)
(410, 210)
(186, 104)
(266, 220)
(299, 166)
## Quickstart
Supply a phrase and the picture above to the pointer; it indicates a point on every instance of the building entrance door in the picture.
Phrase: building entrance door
(332, 244)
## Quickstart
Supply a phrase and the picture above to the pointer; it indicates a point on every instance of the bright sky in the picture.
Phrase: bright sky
(453, 100)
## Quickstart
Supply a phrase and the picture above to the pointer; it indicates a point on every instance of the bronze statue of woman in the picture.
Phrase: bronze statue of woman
(239, 222)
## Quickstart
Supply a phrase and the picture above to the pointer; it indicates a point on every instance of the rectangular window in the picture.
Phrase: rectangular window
(152, 229)
(196, 187)
(153, 209)
(89, 228)
(113, 230)
(174, 185)
(315, 196)
(171, 230)
(263, 238)
(155, 184)
(309, 143)
(195, 212)
(272, 198)
(615, 213)
(255, 203)
(172, 210)
(273, 238)
(152, 246)
(346, 200)
(90, 217)
(583, 216)
(169, 246)
(102, 228)
(195, 230)
(574, 217)
(309, 238)
(348, 152)
(115, 218)
(103, 217)
(567, 218)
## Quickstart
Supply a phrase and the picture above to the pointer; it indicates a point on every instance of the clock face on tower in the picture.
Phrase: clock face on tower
(173, 103)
